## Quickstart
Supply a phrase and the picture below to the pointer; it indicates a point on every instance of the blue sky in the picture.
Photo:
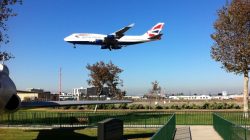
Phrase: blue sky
(181, 61)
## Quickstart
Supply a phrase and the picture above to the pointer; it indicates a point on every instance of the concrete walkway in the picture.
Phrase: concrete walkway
(204, 132)
(182, 133)
(196, 132)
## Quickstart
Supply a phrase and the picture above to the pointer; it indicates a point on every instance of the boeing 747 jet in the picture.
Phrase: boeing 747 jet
(115, 40)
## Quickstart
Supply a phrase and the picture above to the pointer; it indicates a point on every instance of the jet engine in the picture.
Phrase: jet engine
(98, 41)
(104, 47)
(9, 101)
(111, 37)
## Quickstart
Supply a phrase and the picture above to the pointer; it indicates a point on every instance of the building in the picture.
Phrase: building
(67, 96)
(193, 97)
(34, 95)
(79, 92)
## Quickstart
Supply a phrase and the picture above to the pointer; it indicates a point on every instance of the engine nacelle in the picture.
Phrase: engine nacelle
(9, 101)
(104, 47)
(99, 41)
(111, 37)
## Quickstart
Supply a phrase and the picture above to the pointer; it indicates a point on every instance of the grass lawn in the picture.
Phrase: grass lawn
(71, 133)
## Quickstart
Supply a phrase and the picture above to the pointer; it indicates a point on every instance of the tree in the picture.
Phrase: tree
(6, 12)
(156, 89)
(232, 40)
(102, 75)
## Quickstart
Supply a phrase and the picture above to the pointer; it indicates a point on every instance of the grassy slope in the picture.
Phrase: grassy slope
(66, 134)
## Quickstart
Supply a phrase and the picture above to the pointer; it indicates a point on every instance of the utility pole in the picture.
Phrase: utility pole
(60, 82)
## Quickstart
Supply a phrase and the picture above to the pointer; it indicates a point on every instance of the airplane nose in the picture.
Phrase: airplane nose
(67, 39)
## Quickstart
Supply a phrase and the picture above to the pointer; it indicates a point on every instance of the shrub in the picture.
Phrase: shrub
(205, 106)
(80, 107)
(148, 107)
(111, 106)
(158, 107)
(175, 107)
(136, 106)
(66, 107)
(73, 107)
(123, 106)
(166, 107)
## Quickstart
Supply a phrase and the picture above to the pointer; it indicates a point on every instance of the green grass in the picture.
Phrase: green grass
(66, 134)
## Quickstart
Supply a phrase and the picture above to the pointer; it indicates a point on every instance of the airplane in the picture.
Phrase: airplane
(10, 101)
(115, 40)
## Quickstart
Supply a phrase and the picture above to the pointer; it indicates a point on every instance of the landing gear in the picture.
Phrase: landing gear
(110, 47)
(74, 46)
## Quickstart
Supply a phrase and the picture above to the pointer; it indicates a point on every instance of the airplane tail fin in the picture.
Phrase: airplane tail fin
(155, 32)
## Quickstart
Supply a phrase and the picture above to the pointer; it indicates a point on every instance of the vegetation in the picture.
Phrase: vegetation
(65, 134)
(102, 75)
(205, 105)
(232, 40)
(5, 13)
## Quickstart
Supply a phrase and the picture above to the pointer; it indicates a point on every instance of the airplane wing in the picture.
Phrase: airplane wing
(34, 104)
(120, 33)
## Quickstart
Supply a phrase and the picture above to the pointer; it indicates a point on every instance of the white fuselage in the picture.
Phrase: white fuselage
(98, 39)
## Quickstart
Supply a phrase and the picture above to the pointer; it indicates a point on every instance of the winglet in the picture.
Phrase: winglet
(131, 25)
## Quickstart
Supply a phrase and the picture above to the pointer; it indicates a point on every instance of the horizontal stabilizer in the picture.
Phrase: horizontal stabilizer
(156, 36)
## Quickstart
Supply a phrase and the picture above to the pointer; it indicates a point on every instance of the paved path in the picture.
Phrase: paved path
(204, 132)
(196, 132)
(182, 133)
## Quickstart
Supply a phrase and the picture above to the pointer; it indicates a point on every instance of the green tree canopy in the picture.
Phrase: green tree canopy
(232, 37)
(102, 75)
(232, 40)
(5, 12)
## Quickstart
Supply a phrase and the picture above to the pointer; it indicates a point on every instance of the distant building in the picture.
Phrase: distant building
(34, 95)
(67, 96)
(92, 92)
(79, 92)
(193, 97)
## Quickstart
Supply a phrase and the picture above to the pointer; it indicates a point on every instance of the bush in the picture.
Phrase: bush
(73, 107)
(136, 106)
(175, 107)
(91, 107)
(205, 106)
(186, 106)
(166, 107)
(110, 106)
(66, 107)
(123, 106)
(148, 107)
(158, 107)
(81, 107)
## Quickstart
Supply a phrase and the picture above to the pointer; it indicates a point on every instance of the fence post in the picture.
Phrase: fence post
(60, 117)
(245, 128)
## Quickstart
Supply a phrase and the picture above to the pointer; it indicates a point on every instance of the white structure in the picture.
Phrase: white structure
(224, 93)
(67, 96)
(77, 92)
(194, 97)
(224, 96)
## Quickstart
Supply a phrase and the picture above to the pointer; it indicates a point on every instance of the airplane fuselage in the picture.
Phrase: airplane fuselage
(99, 39)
